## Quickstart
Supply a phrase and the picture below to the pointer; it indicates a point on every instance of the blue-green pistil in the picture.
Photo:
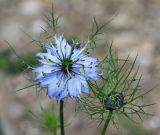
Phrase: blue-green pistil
(67, 65)
(114, 101)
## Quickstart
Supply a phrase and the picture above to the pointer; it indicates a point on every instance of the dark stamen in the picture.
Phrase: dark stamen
(67, 63)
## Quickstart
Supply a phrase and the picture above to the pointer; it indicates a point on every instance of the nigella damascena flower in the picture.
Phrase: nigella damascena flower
(64, 70)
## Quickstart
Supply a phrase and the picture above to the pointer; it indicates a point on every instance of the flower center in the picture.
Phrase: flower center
(67, 65)
(114, 101)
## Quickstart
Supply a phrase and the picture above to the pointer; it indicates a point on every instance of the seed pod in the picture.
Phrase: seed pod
(114, 101)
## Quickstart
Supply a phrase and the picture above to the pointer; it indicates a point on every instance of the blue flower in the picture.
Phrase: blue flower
(64, 70)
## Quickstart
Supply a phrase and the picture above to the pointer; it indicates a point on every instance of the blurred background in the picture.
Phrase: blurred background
(135, 29)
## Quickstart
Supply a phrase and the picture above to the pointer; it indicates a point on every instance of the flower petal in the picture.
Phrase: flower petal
(62, 95)
(74, 87)
(63, 48)
(46, 69)
(84, 85)
(51, 78)
(54, 90)
(48, 58)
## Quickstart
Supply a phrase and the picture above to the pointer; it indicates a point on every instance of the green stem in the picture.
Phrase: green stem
(106, 123)
(61, 117)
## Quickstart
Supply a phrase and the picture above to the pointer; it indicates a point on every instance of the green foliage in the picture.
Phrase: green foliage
(118, 76)
(134, 128)
(48, 121)
(52, 21)
(11, 65)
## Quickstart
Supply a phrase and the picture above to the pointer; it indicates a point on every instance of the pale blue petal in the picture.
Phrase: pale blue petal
(88, 61)
(74, 87)
(67, 50)
(50, 59)
(51, 78)
(85, 89)
(54, 90)
(50, 49)
(90, 67)
(53, 51)
(46, 69)
(64, 49)
(62, 95)
(60, 43)
(38, 76)
(92, 74)
(76, 54)
(84, 84)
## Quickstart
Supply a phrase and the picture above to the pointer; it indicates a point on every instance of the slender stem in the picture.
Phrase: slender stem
(61, 117)
(106, 123)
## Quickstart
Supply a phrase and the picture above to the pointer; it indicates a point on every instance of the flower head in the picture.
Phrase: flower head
(64, 70)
